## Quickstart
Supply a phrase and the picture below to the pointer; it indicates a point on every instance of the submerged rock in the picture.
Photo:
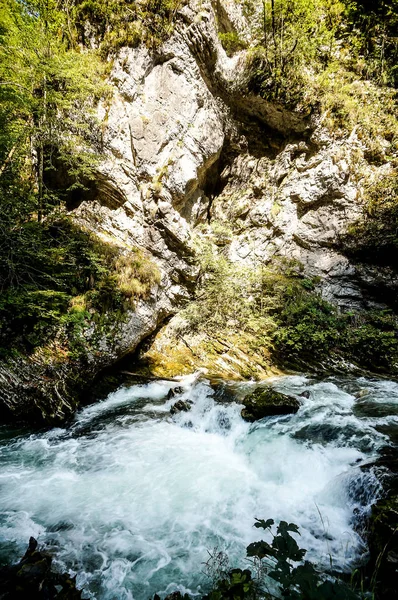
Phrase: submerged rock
(174, 392)
(173, 596)
(361, 393)
(266, 402)
(223, 393)
(34, 578)
(180, 406)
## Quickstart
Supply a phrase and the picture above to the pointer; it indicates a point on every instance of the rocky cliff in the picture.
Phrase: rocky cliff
(186, 144)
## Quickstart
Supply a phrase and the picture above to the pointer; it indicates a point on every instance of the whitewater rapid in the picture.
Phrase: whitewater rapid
(132, 499)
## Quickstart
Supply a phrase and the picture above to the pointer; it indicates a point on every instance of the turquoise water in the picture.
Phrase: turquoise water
(132, 499)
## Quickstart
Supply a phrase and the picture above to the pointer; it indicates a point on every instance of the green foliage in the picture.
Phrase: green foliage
(48, 90)
(118, 23)
(231, 42)
(283, 313)
(301, 582)
(371, 30)
(235, 585)
(286, 86)
(54, 277)
(372, 338)
(280, 560)
(318, 56)
(233, 297)
(310, 328)
(292, 37)
(348, 103)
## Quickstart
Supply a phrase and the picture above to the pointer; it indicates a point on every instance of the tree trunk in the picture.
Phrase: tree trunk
(40, 162)
(40, 169)
(8, 159)
(274, 30)
(265, 23)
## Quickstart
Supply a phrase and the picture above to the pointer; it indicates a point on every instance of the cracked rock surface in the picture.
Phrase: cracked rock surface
(184, 144)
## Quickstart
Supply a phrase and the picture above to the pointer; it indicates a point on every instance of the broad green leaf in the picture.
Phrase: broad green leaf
(260, 523)
(261, 550)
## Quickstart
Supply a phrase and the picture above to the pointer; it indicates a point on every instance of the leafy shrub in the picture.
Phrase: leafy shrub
(280, 560)
(57, 275)
(372, 338)
(308, 327)
(231, 42)
(235, 585)
(282, 312)
(302, 582)
(118, 23)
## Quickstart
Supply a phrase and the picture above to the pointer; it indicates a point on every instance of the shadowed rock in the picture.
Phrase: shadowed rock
(174, 392)
(180, 406)
(33, 578)
(266, 402)
(382, 531)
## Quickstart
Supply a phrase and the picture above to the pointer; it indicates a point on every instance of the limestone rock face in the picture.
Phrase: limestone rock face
(185, 144)
(297, 205)
(172, 128)
(39, 389)
(266, 402)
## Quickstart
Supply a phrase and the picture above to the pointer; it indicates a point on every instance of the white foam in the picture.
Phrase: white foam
(134, 505)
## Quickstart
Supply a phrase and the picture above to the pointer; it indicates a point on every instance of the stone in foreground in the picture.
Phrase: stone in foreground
(33, 578)
(266, 402)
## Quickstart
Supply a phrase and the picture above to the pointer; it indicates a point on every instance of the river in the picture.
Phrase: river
(133, 500)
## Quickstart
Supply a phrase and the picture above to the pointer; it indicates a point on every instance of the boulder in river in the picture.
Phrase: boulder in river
(266, 402)
(180, 406)
(361, 393)
(174, 392)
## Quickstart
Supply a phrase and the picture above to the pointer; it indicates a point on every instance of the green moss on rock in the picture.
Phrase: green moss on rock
(266, 402)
